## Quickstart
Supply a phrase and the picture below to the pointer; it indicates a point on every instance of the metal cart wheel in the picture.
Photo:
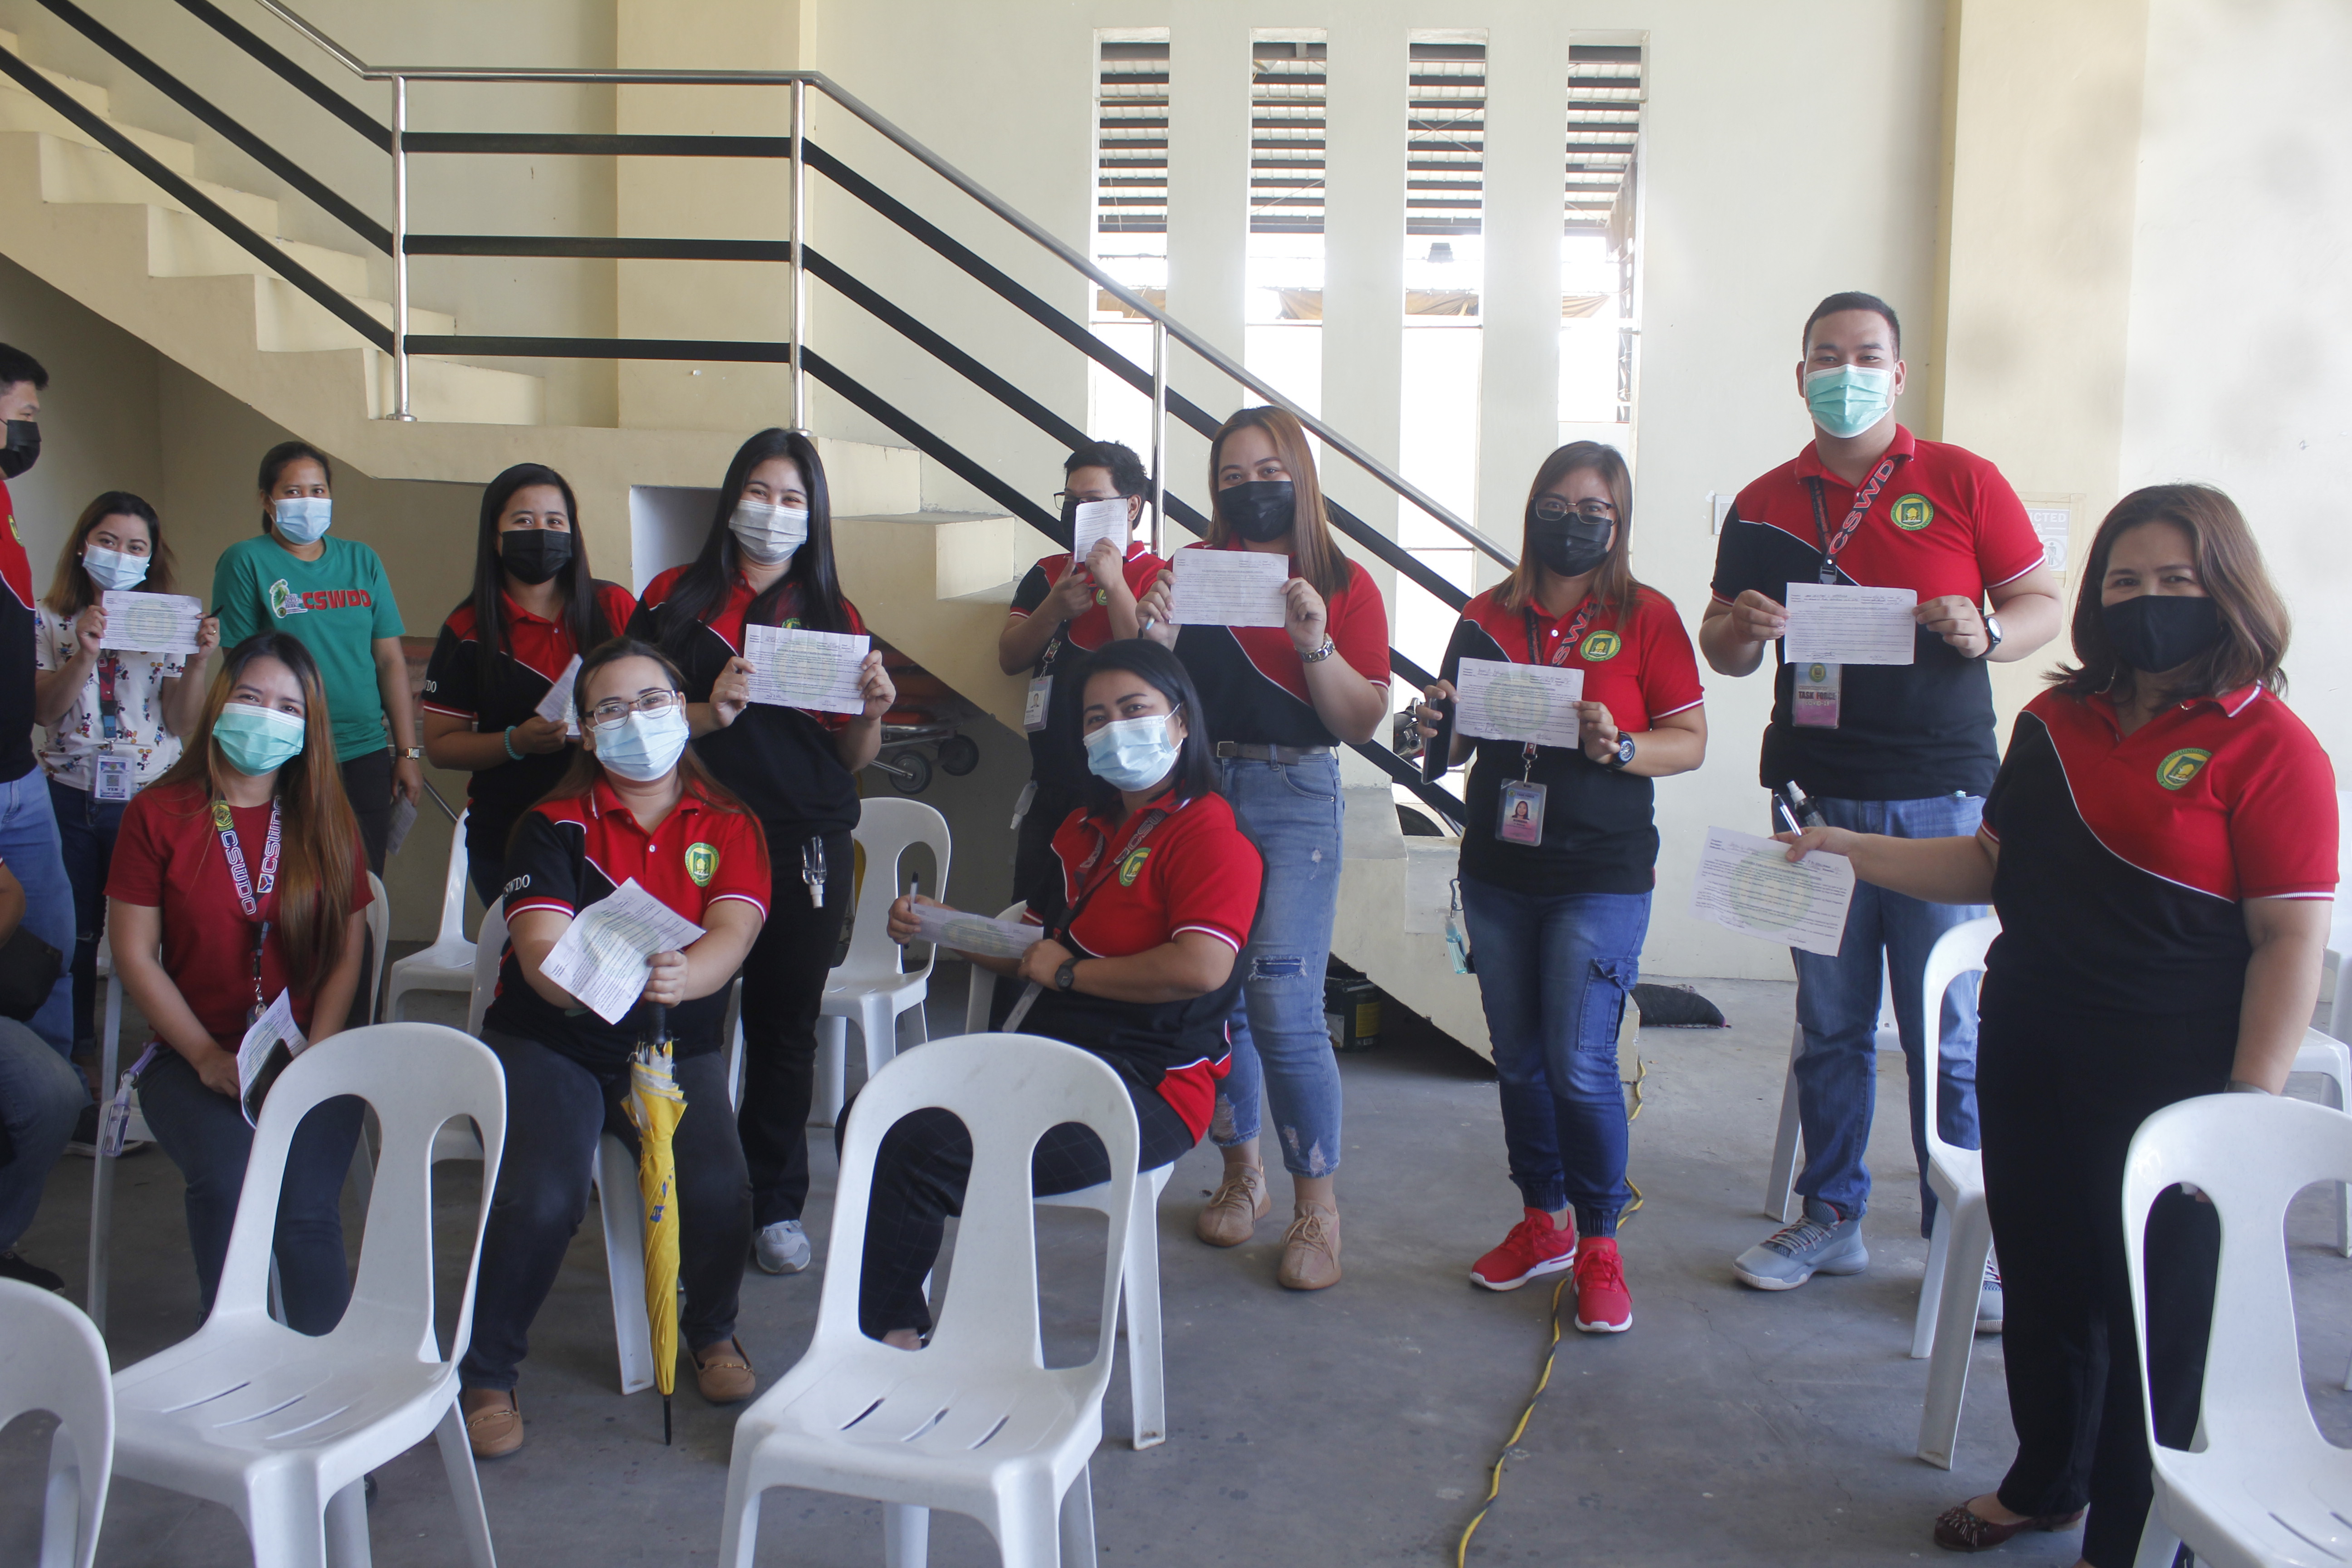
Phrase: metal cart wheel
(959, 754)
(911, 773)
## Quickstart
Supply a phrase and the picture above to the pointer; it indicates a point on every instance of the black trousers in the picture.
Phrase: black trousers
(560, 1111)
(367, 780)
(2059, 1095)
(920, 1176)
(784, 985)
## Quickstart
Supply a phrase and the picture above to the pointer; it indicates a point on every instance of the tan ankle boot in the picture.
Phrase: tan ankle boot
(1233, 1210)
(1311, 1250)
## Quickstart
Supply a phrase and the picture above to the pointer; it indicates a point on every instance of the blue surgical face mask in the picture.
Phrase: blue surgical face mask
(1132, 753)
(112, 569)
(301, 518)
(644, 746)
(258, 740)
(1847, 399)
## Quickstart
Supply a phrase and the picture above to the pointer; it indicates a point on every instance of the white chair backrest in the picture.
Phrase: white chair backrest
(1008, 1090)
(379, 925)
(886, 829)
(489, 948)
(983, 996)
(453, 889)
(1958, 952)
(2251, 1153)
(414, 1077)
(52, 1359)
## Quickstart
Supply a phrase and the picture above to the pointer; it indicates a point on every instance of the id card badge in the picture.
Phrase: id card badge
(1034, 710)
(113, 777)
(1814, 705)
(1519, 815)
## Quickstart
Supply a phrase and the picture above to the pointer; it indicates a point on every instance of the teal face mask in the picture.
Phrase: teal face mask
(258, 740)
(1847, 399)
(1132, 753)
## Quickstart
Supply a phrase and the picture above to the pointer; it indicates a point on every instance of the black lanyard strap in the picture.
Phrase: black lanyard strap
(1149, 820)
(1568, 640)
(1862, 499)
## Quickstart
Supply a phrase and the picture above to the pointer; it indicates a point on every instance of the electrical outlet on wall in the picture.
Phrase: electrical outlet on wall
(1719, 508)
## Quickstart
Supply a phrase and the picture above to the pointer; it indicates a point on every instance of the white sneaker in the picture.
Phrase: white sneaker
(781, 1247)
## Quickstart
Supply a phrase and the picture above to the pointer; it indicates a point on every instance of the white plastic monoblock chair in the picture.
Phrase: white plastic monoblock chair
(1962, 1237)
(974, 1422)
(52, 1359)
(2262, 1487)
(1146, 1374)
(101, 1175)
(2340, 929)
(378, 928)
(1788, 1137)
(871, 985)
(448, 964)
(283, 1429)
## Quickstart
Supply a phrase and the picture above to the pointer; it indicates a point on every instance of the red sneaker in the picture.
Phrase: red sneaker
(1534, 1247)
(1602, 1305)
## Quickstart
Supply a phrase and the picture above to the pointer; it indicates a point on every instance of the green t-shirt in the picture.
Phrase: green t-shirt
(338, 604)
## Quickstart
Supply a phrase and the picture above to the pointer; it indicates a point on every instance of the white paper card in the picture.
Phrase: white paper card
(403, 817)
(1229, 588)
(1499, 700)
(1096, 521)
(557, 704)
(602, 956)
(1832, 624)
(152, 622)
(268, 1045)
(1747, 883)
(797, 669)
(962, 932)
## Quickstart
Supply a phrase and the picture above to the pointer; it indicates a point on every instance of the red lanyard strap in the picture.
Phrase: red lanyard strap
(1862, 499)
(247, 893)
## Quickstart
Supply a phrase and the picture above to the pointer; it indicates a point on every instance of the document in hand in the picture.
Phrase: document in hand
(270, 1046)
(1229, 588)
(150, 622)
(961, 932)
(601, 957)
(1832, 624)
(556, 706)
(795, 668)
(1501, 700)
(1747, 883)
(1096, 521)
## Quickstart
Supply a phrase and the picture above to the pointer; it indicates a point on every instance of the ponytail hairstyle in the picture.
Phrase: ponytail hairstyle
(1614, 584)
(701, 590)
(1315, 552)
(276, 461)
(585, 770)
(583, 615)
(1196, 769)
(318, 864)
(71, 591)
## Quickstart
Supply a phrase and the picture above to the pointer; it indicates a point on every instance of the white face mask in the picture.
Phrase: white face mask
(769, 534)
(303, 519)
(112, 569)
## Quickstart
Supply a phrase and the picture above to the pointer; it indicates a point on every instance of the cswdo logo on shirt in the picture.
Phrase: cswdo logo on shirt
(702, 863)
(284, 601)
(2181, 766)
(1912, 512)
(1600, 645)
(1131, 866)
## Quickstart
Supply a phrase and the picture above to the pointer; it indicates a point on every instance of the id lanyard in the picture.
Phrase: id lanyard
(1036, 710)
(1818, 685)
(249, 891)
(1150, 820)
(111, 774)
(1519, 807)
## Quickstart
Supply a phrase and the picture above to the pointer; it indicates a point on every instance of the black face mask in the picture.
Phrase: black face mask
(2156, 632)
(1570, 545)
(534, 554)
(1261, 511)
(23, 450)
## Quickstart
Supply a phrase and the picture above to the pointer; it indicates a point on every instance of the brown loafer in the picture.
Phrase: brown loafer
(493, 1421)
(1958, 1528)
(1311, 1250)
(723, 1373)
(1233, 1211)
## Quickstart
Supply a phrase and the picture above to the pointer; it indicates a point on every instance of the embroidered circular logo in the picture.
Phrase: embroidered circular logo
(701, 862)
(221, 818)
(1131, 866)
(1600, 645)
(1102, 595)
(2181, 766)
(1912, 512)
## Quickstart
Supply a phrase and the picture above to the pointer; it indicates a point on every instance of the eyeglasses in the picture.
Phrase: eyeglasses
(613, 710)
(1551, 509)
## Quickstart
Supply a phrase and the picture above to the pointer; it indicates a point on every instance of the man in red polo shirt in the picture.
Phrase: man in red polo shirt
(1906, 750)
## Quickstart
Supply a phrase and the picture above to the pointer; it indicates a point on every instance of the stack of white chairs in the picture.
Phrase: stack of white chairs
(52, 1359)
(871, 984)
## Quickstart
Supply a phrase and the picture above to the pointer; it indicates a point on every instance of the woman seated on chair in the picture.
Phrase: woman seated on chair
(635, 806)
(1150, 899)
(242, 864)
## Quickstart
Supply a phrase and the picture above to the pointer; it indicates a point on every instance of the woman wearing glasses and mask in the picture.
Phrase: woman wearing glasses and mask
(634, 806)
(1559, 858)
(768, 562)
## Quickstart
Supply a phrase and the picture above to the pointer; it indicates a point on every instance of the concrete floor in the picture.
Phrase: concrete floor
(1352, 1426)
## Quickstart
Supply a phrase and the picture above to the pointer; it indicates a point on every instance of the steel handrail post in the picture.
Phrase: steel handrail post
(400, 404)
(799, 272)
(1158, 431)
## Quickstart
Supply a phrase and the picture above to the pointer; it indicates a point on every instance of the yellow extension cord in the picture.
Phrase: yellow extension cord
(1551, 1352)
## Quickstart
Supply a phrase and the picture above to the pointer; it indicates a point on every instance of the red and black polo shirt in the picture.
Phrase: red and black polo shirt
(1057, 755)
(569, 854)
(536, 652)
(1252, 687)
(1598, 832)
(2124, 859)
(18, 636)
(1945, 523)
(782, 761)
(1195, 872)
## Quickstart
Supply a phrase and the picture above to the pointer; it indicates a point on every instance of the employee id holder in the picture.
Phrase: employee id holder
(1519, 816)
(113, 780)
(1813, 702)
(1038, 704)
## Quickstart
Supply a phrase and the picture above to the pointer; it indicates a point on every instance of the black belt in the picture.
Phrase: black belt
(1271, 753)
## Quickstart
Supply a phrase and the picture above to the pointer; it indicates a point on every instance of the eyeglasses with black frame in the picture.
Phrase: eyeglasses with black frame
(613, 710)
(1552, 508)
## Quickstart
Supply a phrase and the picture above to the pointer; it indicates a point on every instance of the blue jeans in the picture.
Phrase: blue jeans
(1837, 1003)
(1554, 972)
(207, 1138)
(1280, 1043)
(29, 843)
(87, 827)
(40, 1096)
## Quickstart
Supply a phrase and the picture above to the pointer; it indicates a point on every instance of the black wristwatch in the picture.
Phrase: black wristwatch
(1067, 976)
(1992, 635)
(1624, 752)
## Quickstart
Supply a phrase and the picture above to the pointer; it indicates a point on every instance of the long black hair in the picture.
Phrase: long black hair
(1196, 769)
(584, 617)
(703, 588)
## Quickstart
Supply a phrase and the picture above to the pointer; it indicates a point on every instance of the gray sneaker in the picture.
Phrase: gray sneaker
(1821, 1243)
(1988, 1301)
(780, 1249)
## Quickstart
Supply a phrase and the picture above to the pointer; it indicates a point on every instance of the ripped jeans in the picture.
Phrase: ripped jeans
(1554, 971)
(1280, 1042)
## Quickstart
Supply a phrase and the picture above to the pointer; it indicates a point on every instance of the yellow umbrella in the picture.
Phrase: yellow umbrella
(654, 1105)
